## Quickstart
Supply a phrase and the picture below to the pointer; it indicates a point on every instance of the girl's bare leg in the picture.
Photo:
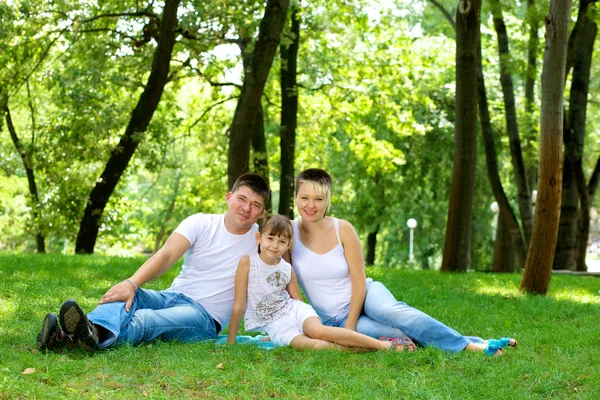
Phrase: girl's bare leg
(314, 329)
(305, 342)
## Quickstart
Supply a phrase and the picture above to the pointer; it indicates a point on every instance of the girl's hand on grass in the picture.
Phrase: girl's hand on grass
(123, 291)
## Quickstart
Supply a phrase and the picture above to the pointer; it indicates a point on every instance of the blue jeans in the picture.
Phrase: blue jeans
(383, 315)
(163, 315)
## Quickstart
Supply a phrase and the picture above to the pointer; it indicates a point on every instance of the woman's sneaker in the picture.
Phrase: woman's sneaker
(75, 323)
(51, 337)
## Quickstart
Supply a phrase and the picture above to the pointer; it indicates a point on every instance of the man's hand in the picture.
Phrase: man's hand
(123, 291)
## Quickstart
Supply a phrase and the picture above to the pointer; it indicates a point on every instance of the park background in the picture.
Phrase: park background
(120, 119)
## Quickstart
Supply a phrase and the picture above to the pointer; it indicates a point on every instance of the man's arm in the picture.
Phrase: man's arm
(239, 304)
(154, 267)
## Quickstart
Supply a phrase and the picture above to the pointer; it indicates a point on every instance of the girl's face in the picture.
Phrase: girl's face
(272, 247)
(310, 203)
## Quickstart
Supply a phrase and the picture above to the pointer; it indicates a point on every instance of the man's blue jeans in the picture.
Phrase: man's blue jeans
(383, 315)
(163, 315)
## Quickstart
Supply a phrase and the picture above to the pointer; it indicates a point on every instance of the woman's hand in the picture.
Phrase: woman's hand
(123, 291)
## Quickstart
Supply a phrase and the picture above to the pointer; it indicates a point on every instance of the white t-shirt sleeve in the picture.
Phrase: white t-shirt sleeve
(193, 227)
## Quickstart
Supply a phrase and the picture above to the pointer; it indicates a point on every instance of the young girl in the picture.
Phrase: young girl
(267, 291)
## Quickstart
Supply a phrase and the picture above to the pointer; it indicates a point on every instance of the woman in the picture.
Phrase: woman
(328, 260)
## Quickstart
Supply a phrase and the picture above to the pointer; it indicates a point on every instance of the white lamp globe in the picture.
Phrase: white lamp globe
(494, 207)
(412, 223)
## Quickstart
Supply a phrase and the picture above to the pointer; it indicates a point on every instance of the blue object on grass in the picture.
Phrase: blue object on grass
(254, 340)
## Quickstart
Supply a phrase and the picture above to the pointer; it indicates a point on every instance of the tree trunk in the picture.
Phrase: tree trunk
(371, 246)
(33, 192)
(289, 116)
(531, 73)
(140, 119)
(512, 126)
(507, 216)
(457, 244)
(538, 269)
(566, 244)
(244, 119)
(260, 157)
(574, 140)
(504, 255)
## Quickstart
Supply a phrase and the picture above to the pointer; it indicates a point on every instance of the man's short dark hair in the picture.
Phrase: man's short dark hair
(255, 182)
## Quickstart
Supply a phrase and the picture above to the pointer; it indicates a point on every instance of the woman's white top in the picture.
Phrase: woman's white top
(267, 296)
(324, 278)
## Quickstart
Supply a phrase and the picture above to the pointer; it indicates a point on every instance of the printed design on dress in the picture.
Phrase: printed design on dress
(277, 279)
(269, 305)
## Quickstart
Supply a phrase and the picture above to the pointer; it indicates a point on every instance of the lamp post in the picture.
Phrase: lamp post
(495, 208)
(412, 224)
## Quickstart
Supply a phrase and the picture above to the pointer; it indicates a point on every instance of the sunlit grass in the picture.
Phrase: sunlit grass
(557, 356)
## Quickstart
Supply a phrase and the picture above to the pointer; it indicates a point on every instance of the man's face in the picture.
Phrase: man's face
(244, 208)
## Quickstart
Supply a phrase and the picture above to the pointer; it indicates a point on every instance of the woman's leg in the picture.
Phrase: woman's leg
(381, 306)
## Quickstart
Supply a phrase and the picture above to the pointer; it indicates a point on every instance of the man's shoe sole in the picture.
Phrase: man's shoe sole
(74, 322)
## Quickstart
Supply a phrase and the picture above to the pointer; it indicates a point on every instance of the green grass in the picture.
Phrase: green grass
(559, 343)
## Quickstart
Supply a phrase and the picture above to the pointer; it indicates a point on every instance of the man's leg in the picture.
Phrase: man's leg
(183, 320)
(152, 315)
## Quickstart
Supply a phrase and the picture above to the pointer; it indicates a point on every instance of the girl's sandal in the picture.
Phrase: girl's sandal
(407, 345)
(407, 342)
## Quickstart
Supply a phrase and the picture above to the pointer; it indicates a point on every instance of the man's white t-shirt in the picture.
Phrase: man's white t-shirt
(209, 265)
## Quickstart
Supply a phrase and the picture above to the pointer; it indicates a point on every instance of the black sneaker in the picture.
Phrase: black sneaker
(75, 323)
(51, 337)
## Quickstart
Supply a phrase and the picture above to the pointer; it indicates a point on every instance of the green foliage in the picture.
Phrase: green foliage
(556, 356)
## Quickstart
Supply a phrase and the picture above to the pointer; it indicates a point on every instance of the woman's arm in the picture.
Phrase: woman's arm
(239, 304)
(356, 267)
(293, 288)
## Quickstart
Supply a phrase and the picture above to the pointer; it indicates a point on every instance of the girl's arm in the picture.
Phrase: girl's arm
(239, 304)
(356, 267)
(293, 288)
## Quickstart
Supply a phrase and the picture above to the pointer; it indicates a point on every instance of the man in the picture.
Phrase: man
(198, 303)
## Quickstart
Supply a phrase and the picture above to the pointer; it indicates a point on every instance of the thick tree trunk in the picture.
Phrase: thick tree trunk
(504, 255)
(289, 116)
(531, 73)
(457, 244)
(507, 216)
(371, 246)
(260, 156)
(566, 244)
(244, 119)
(33, 192)
(140, 118)
(577, 123)
(512, 126)
(538, 269)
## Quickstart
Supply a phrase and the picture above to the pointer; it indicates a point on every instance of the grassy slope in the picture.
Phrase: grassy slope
(557, 357)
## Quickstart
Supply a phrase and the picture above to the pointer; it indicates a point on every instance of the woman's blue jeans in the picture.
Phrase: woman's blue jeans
(163, 315)
(383, 315)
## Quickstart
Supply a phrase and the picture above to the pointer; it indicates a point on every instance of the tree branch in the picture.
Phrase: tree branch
(445, 12)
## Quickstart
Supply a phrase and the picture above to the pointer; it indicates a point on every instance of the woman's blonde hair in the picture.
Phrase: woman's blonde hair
(319, 179)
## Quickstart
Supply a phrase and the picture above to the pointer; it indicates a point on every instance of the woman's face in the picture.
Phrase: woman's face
(310, 203)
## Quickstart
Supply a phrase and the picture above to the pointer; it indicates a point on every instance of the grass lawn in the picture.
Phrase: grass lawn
(558, 354)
